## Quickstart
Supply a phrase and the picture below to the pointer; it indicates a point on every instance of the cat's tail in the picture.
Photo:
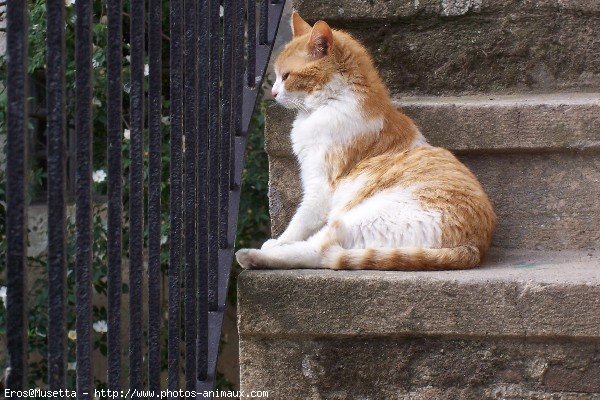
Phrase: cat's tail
(403, 258)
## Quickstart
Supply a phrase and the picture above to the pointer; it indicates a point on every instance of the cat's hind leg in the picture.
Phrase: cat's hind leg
(305, 254)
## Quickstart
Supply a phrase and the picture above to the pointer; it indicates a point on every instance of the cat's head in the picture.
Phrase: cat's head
(320, 65)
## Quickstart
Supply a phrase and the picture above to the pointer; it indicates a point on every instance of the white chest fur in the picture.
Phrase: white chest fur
(329, 123)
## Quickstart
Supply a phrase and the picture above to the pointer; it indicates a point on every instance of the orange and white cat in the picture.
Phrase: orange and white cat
(376, 194)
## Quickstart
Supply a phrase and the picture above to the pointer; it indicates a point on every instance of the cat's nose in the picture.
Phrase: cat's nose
(274, 92)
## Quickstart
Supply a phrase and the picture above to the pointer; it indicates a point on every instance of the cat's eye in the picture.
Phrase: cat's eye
(285, 76)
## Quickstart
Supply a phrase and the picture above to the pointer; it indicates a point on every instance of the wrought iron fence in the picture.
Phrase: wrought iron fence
(216, 66)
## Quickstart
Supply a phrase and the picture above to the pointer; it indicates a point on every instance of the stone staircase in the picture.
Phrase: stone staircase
(513, 88)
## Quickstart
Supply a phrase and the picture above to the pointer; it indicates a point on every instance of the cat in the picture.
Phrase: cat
(376, 195)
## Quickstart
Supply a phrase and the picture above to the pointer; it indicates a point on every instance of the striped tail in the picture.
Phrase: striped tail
(403, 258)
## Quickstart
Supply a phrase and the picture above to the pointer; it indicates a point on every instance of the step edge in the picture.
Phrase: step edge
(587, 104)
(476, 101)
(487, 309)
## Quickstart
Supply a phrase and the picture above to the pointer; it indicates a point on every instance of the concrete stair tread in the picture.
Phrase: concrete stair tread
(524, 122)
(515, 293)
(515, 265)
(512, 100)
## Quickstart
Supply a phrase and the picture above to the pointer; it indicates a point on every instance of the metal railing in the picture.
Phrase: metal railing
(216, 66)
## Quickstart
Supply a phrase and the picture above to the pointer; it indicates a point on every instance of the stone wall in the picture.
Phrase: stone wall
(429, 368)
(513, 330)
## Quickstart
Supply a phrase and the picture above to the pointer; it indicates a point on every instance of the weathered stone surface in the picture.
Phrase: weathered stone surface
(523, 49)
(284, 191)
(543, 201)
(278, 124)
(350, 10)
(515, 294)
(508, 123)
(416, 368)
(559, 377)
(523, 326)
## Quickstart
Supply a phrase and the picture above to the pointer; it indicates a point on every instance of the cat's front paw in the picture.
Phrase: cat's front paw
(248, 258)
(269, 244)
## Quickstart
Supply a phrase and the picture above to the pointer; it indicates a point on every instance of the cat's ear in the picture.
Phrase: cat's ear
(321, 39)
(299, 26)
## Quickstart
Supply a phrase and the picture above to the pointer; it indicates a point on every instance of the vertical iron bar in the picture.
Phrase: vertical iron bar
(238, 84)
(214, 135)
(136, 194)
(226, 121)
(56, 136)
(114, 103)
(251, 45)
(202, 188)
(176, 14)
(71, 161)
(190, 215)
(154, 189)
(83, 215)
(249, 100)
(16, 158)
(263, 28)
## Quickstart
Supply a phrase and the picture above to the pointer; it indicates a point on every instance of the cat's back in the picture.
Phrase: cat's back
(420, 164)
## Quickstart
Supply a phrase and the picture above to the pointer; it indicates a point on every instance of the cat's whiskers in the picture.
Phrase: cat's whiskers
(298, 104)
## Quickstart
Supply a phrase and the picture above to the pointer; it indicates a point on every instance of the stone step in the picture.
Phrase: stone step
(434, 47)
(508, 123)
(538, 157)
(513, 294)
(524, 325)
(490, 123)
